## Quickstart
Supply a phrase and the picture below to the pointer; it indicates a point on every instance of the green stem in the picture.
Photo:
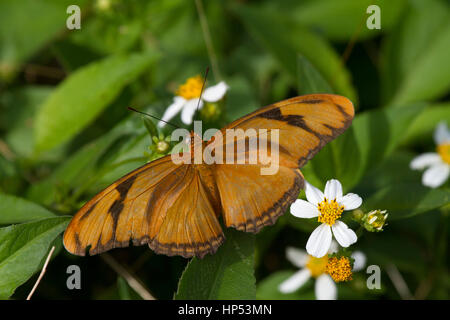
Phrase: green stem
(208, 41)
(359, 232)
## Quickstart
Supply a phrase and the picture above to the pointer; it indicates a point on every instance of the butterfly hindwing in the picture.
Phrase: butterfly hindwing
(160, 204)
(250, 200)
(190, 226)
(305, 124)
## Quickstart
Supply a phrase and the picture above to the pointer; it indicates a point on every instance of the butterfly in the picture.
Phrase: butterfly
(176, 208)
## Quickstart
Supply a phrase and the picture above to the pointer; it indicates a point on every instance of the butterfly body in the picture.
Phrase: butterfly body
(175, 208)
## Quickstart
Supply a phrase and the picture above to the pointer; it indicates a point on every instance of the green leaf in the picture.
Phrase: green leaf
(108, 35)
(393, 170)
(422, 128)
(407, 200)
(124, 291)
(240, 98)
(83, 95)
(20, 107)
(285, 39)
(227, 274)
(150, 126)
(268, 288)
(310, 80)
(430, 77)
(86, 163)
(341, 20)
(393, 246)
(22, 249)
(17, 210)
(414, 57)
(266, 237)
(21, 36)
(372, 137)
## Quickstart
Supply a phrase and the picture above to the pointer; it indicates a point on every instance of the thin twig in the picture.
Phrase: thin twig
(398, 282)
(208, 41)
(44, 268)
(348, 50)
(424, 287)
(132, 281)
(6, 151)
(32, 70)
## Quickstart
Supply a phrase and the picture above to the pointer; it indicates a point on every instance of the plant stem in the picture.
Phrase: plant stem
(44, 268)
(208, 41)
(132, 281)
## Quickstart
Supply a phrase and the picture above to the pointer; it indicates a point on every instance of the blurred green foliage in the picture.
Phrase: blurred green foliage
(65, 132)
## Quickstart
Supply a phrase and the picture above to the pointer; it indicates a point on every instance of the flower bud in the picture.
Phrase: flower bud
(374, 220)
(211, 111)
(103, 5)
(358, 214)
(162, 147)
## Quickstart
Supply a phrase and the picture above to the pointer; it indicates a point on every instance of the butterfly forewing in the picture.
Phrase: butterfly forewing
(305, 123)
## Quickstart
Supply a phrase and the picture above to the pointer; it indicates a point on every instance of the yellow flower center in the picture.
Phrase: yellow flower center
(191, 89)
(444, 152)
(339, 269)
(330, 211)
(317, 265)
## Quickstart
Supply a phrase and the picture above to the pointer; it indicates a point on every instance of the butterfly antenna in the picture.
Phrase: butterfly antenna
(146, 114)
(203, 87)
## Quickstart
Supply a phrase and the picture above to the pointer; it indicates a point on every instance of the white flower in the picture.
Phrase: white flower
(327, 207)
(438, 163)
(311, 267)
(187, 99)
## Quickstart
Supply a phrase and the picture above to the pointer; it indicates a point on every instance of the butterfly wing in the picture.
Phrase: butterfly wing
(305, 124)
(162, 204)
(170, 206)
(190, 226)
(251, 201)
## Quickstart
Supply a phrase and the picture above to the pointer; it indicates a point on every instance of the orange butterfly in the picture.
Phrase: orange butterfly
(175, 208)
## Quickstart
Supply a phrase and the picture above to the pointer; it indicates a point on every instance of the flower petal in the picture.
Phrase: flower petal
(297, 257)
(215, 93)
(351, 201)
(436, 175)
(171, 111)
(313, 194)
(360, 260)
(319, 241)
(334, 247)
(333, 190)
(189, 110)
(303, 209)
(325, 288)
(343, 234)
(294, 282)
(425, 160)
(442, 134)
